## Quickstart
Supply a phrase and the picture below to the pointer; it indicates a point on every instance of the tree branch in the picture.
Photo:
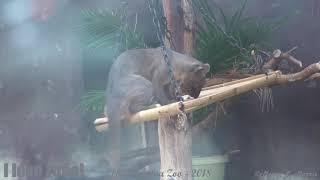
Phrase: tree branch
(278, 56)
(309, 72)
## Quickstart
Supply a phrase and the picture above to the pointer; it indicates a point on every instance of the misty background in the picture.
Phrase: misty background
(45, 70)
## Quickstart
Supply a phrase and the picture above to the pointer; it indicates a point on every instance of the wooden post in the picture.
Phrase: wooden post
(175, 150)
(175, 143)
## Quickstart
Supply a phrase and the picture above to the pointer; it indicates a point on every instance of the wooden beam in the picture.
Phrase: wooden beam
(206, 97)
(218, 93)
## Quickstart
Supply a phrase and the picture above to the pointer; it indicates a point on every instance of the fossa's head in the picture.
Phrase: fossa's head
(189, 73)
(194, 80)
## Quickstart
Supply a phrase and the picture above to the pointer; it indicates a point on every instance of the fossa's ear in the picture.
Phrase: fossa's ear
(204, 68)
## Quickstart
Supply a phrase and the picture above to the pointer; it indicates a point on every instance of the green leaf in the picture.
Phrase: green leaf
(93, 101)
(228, 43)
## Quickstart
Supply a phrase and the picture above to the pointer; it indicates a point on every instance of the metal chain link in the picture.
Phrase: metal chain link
(163, 32)
(230, 39)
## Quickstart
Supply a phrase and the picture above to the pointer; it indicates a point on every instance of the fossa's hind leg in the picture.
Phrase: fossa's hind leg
(140, 94)
(141, 97)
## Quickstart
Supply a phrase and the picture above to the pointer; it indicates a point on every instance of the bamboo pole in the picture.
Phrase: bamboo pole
(211, 96)
(218, 93)
(233, 82)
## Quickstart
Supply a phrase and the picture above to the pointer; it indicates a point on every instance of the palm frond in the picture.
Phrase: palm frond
(99, 28)
(103, 29)
(223, 41)
(93, 101)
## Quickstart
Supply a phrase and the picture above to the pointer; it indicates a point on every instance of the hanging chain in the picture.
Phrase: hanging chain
(230, 39)
(160, 23)
(163, 32)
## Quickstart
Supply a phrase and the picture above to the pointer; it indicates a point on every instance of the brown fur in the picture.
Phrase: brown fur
(140, 78)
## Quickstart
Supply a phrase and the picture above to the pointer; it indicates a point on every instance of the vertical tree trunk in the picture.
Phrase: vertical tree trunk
(174, 15)
(175, 150)
(180, 23)
(189, 23)
(175, 144)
